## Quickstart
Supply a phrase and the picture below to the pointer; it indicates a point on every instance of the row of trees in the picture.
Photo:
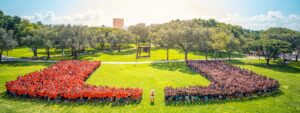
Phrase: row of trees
(188, 35)
(76, 38)
(6, 41)
(211, 36)
(275, 41)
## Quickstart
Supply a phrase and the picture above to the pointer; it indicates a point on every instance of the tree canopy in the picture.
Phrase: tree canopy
(189, 35)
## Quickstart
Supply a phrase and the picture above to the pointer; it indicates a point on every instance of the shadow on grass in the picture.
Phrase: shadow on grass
(275, 66)
(212, 55)
(123, 52)
(24, 63)
(174, 66)
(213, 102)
(91, 55)
(45, 102)
(44, 53)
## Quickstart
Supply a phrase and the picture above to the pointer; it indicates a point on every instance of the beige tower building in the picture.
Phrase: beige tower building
(118, 23)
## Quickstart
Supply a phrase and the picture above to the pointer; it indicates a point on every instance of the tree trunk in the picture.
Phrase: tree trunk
(268, 61)
(102, 46)
(75, 54)
(137, 51)
(186, 55)
(274, 56)
(215, 55)
(267, 57)
(34, 50)
(229, 54)
(72, 51)
(63, 52)
(297, 55)
(206, 54)
(1, 55)
(283, 58)
(94, 51)
(119, 48)
(48, 52)
(167, 54)
(35, 53)
(113, 47)
(149, 51)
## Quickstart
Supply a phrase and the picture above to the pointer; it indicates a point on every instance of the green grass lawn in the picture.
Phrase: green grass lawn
(157, 76)
(125, 55)
(24, 52)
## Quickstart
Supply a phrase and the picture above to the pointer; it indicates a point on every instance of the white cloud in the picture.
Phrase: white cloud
(89, 15)
(231, 17)
(271, 15)
(48, 16)
(293, 16)
(263, 21)
(85, 18)
(94, 17)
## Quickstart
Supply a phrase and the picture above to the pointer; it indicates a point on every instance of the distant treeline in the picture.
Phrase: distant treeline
(189, 35)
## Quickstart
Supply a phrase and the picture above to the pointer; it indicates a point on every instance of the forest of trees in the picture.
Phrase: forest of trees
(188, 35)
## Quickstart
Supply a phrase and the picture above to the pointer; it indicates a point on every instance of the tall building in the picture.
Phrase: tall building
(118, 23)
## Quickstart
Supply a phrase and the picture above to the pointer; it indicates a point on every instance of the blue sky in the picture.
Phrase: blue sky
(252, 14)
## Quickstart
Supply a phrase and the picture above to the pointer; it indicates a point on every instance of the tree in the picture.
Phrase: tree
(118, 38)
(204, 41)
(6, 41)
(272, 47)
(248, 41)
(232, 45)
(124, 37)
(184, 38)
(48, 35)
(141, 33)
(296, 47)
(220, 41)
(256, 46)
(164, 37)
(112, 40)
(103, 34)
(23, 29)
(63, 40)
(92, 37)
(295, 44)
(35, 41)
(78, 40)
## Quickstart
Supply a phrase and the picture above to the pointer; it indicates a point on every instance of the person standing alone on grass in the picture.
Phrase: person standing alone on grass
(152, 94)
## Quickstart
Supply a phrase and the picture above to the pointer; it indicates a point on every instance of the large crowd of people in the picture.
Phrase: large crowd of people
(227, 81)
(65, 80)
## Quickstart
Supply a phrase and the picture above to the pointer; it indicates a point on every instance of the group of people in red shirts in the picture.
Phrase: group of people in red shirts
(65, 80)
(227, 81)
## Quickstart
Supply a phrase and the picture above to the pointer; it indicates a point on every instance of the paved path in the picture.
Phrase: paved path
(12, 59)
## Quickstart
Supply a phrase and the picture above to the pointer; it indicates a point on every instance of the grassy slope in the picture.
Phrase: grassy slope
(125, 55)
(157, 76)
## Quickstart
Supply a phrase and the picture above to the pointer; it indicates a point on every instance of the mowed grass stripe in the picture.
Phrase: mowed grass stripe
(147, 77)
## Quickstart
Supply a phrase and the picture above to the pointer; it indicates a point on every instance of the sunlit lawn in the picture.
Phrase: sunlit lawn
(24, 52)
(157, 76)
(125, 55)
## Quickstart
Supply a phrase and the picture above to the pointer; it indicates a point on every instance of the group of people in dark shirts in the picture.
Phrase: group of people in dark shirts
(227, 81)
